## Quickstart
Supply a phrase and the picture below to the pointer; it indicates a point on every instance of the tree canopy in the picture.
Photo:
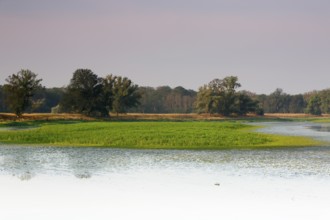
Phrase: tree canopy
(314, 105)
(220, 96)
(91, 95)
(84, 94)
(20, 89)
(125, 94)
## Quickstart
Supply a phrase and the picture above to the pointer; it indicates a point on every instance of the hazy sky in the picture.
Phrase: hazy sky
(266, 43)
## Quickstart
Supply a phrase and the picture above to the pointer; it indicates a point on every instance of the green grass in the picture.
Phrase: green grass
(146, 135)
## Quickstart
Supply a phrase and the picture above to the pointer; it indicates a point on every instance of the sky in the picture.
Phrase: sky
(268, 44)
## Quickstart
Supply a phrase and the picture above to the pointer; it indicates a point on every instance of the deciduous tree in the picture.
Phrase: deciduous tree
(220, 96)
(121, 93)
(84, 94)
(314, 105)
(205, 101)
(20, 89)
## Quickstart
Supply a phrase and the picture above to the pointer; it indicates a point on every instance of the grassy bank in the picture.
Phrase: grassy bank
(145, 135)
(8, 117)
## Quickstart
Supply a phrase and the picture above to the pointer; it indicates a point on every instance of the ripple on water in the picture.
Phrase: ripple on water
(85, 163)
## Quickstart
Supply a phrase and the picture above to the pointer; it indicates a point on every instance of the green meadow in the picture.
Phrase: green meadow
(197, 135)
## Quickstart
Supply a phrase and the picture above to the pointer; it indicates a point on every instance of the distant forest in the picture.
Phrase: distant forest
(165, 99)
(162, 99)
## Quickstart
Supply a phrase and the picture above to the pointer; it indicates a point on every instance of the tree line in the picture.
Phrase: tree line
(92, 95)
(165, 99)
(315, 102)
(86, 94)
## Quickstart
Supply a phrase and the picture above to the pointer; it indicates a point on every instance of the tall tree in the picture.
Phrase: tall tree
(245, 104)
(84, 94)
(276, 101)
(20, 89)
(314, 105)
(220, 96)
(227, 96)
(108, 91)
(122, 93)
(325, 100)
(204, 101)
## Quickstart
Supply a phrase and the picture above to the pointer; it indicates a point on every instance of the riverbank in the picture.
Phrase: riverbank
(195, 135)
(5, 117)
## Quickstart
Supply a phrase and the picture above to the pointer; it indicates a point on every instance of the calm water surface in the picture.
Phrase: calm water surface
(319, 131)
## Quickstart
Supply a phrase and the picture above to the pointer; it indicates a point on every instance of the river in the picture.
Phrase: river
(101, 183)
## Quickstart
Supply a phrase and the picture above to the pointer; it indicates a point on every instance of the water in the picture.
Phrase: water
(29, 162)
(318, 131)
(323, 128)
(99, 183)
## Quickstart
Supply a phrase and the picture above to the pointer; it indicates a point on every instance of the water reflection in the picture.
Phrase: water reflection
(84, 163)
(307, 129)
(322, 128)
